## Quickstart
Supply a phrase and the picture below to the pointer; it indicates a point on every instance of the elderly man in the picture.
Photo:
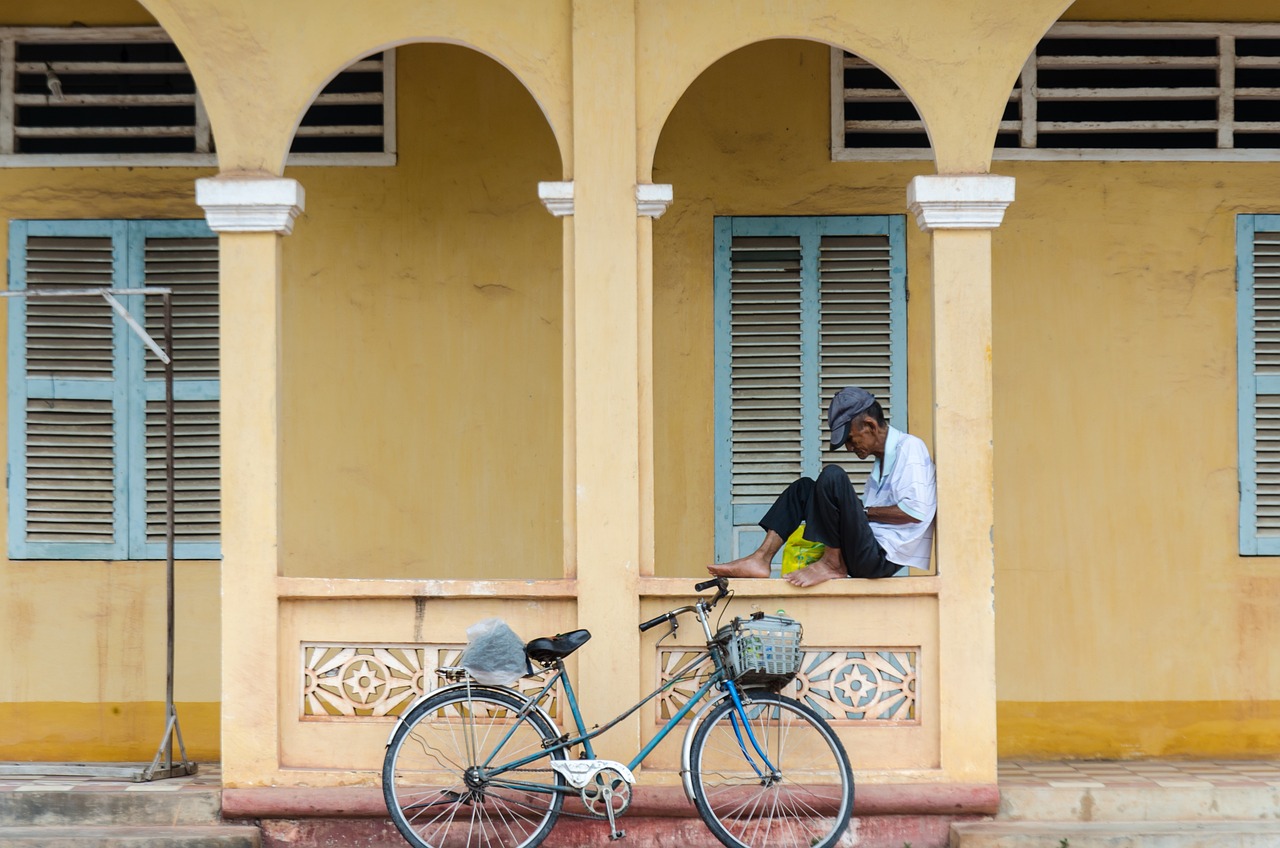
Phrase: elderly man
(893, 529)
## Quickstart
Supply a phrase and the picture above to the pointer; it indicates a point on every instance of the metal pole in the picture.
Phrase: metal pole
(170, 506)
(171, 728)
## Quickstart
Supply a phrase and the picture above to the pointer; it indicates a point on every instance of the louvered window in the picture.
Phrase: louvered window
(804, 307)
(124, 95)
(1258, 328)
(1098, 91)
(86, 416)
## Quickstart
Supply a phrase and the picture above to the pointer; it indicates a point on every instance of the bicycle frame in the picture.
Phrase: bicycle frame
(718, 678)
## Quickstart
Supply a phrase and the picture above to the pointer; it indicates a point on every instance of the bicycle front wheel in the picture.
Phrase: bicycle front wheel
(804, 800)
(446, 776)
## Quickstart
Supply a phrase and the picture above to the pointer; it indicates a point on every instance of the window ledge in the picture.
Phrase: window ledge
(336, 588)
(671, 587)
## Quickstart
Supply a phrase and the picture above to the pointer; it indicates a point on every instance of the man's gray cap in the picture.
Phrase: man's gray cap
(847, 405)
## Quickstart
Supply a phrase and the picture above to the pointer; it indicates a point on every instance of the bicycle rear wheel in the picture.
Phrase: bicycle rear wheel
(806, 802)
(443, 777)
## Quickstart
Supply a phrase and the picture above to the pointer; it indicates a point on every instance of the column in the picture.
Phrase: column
(960, 212)
(250, 214)
(606, 374)
(652, 199)
(557, 197)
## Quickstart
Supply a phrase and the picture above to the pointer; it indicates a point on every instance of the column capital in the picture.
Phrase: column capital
(959, 201)
(250, 204)
(652, 199)
(557, 197)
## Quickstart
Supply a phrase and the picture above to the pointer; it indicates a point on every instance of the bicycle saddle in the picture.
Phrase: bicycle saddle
(557, 647)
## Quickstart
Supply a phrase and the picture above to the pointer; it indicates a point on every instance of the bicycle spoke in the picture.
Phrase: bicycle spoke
(436, 775)
(780, 805)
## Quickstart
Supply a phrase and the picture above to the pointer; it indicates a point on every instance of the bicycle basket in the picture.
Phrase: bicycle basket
(763, 650)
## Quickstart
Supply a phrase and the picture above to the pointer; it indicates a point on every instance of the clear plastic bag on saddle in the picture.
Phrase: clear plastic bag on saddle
(494, 654)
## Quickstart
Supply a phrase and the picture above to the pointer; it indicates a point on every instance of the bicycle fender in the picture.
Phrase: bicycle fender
(465, 685)
(686, 748)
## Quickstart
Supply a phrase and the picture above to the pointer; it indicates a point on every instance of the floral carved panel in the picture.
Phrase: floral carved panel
(859, 686)
(345, 681)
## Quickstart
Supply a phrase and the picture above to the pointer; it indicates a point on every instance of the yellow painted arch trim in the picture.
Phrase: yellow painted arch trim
(286, 51)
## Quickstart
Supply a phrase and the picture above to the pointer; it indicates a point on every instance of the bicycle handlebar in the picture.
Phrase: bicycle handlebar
(721, 582)
(654, 622)
(721, 585)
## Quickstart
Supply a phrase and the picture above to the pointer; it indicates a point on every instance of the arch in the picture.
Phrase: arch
(668, 107)
(255, 111)
(955, 62)
(412, 298)
(361, 53)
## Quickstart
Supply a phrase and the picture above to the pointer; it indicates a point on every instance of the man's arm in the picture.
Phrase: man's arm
(890, 515)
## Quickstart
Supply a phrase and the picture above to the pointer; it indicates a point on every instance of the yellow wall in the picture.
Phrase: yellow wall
(84, 642)
(422, 341)
(1127, 624)
(750, 137)
(1116, 472)
(422, 337)
(440, 276)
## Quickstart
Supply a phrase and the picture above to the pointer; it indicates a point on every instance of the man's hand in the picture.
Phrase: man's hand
(889, 515)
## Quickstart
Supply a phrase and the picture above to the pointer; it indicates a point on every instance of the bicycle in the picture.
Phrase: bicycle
(474, 765)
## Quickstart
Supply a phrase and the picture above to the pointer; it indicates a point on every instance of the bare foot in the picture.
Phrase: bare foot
(748, 566)
(824, 569)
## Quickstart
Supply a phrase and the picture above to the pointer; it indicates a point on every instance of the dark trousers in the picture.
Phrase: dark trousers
(832, 514)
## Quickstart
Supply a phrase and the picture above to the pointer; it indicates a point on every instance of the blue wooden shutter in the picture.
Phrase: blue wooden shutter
(862, 331)
(68, 409)
(182, 256)
(86, 411)
(804, 307)
(1258, 347)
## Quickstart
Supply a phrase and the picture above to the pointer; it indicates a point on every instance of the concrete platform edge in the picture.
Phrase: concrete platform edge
(648, 801)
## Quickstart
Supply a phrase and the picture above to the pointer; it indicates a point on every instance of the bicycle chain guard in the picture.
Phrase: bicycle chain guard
(605, 787)
(580, 772)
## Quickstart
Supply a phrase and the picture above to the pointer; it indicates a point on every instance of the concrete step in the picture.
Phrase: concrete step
(53, 808)
(189, 836)
(1149, 834)
(1172, 801)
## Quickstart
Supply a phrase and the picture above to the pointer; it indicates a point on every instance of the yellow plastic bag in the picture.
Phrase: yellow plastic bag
(799, 551)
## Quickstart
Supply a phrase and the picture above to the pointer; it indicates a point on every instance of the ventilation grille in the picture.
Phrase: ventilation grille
(126, 94)
(133, 96)
(188, 266)
(765, 336)
(69, 338)
(70, 456)
(1099, 91)
(854, 339)
(197, 481)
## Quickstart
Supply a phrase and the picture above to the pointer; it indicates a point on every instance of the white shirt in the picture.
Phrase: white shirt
(910, 485)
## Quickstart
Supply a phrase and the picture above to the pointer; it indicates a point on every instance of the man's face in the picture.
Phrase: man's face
(864, 438)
